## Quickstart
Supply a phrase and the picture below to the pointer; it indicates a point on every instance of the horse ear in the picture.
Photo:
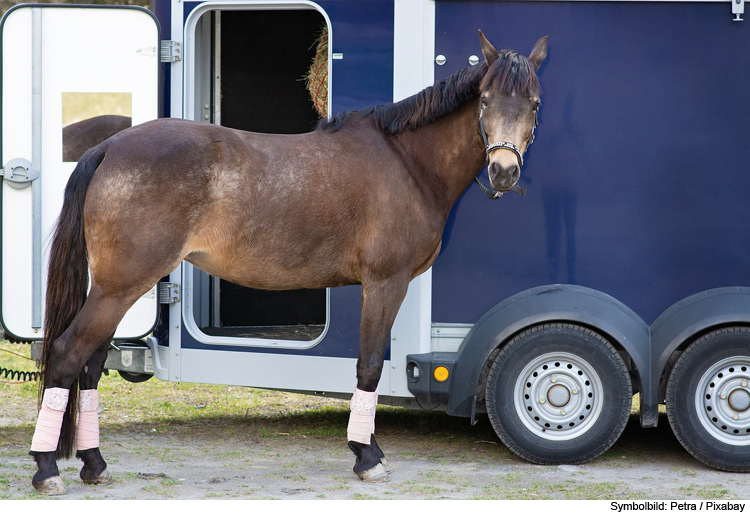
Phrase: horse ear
(488, 50)
(539, 52)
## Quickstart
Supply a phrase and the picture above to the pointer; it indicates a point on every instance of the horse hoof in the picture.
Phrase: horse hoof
(104, 478)
(51, 486)
(378, 473)
(385, 465)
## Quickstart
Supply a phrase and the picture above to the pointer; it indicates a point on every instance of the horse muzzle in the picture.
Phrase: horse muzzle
(503, 178)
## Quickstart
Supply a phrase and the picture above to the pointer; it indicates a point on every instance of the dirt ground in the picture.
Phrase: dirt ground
(431, 455)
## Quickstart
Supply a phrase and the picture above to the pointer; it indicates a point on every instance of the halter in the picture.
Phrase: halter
(506, 145)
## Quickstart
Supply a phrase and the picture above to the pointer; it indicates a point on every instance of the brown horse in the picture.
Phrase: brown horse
(361, 200)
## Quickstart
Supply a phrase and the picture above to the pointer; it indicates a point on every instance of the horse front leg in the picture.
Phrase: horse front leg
(380, 303)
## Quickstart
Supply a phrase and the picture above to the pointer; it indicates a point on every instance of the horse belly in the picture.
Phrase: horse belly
(272, 270)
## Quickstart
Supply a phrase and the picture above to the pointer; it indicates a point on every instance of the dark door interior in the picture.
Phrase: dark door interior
(265, 56)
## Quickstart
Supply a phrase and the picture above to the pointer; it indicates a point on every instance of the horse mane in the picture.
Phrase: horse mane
(511, 74)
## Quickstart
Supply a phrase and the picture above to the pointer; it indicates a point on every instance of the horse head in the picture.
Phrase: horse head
(508, 109)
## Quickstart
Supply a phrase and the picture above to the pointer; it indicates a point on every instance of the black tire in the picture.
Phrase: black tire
(558, 394)
(707, 405)
(133, 377)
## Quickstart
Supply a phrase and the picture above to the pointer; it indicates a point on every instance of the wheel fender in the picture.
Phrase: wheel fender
(560, 302)
(694, 315)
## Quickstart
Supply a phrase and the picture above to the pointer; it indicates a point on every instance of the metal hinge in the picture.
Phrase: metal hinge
(171, 51)
(738, 9)
(169, 293)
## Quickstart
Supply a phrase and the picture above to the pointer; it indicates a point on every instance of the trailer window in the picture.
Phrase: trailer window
(88, 118)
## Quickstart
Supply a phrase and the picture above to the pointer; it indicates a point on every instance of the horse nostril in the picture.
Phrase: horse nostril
(515, 173)
(494, 169)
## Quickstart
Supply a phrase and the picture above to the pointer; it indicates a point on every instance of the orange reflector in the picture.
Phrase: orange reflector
(441, 374)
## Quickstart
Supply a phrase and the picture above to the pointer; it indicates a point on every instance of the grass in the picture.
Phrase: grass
(158, 402)
(165, 408)
(708, 492)
(248, 431)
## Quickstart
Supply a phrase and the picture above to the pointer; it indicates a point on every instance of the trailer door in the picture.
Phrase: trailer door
(62, 66)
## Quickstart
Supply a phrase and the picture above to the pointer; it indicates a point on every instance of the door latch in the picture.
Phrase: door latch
(19, 173)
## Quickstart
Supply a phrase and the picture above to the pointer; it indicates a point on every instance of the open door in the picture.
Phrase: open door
(63, 69)
(261, 91)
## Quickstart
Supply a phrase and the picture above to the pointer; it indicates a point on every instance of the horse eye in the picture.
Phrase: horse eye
(483, 101)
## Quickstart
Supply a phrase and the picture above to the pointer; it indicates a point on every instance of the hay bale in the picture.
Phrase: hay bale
(317, 75)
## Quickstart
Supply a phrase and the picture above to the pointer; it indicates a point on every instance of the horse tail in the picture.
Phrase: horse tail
(67, 283)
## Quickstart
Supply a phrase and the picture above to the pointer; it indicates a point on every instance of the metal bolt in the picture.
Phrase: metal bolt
(473, 60)
(723, 396)
(553, 379)
(440, 60)
(541, 400)
(575, 391)
(736, 417)
(744, 384)
(562, 412)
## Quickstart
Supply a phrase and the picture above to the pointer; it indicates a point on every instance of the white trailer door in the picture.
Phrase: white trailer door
(62, 65)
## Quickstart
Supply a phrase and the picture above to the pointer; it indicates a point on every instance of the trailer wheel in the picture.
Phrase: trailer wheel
(132, 377)
(558, 394)
(708, 399)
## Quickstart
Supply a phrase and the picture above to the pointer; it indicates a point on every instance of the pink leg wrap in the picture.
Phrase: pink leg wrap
(50, 419)
(362, 416)
(87, 435)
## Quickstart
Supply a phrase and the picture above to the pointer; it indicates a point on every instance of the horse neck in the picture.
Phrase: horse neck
(448, 153)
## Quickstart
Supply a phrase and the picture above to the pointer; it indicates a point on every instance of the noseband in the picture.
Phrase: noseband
(506, 145)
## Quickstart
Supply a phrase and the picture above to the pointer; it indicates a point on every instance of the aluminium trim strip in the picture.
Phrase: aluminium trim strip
(36, 162)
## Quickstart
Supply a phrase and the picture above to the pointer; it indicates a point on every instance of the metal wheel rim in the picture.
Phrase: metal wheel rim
(558, 396)
(721, 400)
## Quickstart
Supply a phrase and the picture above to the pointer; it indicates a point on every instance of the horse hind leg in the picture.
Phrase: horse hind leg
(83, 344)
(94, 469)
(47, 479)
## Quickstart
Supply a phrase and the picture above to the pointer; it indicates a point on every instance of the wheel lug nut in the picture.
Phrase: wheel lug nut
(562, 412)
(723, 396)
(575, 391)
(541, 400)
(736, 417)
(744, 384)
(553, 380)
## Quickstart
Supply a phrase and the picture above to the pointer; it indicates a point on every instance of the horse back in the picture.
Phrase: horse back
(266, 211)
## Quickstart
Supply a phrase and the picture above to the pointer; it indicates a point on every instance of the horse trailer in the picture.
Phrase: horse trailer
(624, 270)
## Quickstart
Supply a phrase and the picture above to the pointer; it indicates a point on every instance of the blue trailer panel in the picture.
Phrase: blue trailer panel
(638, 179)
